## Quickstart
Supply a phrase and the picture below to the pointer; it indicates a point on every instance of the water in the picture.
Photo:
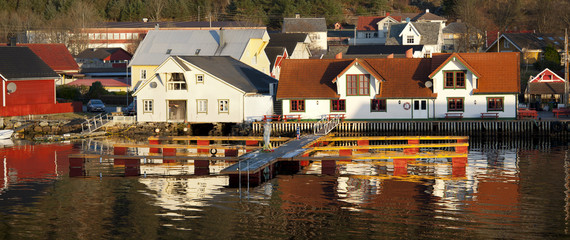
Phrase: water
(509, 190)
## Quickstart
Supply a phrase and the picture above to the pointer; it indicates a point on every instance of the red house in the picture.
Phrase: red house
(28, 85)
(103, 58)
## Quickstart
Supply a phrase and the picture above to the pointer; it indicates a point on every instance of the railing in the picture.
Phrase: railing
(92, 124)
(326, 124)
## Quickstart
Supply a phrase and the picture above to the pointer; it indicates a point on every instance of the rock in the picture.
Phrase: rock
(37, 129)
(46, 129)
(44, 124)
(17, 124)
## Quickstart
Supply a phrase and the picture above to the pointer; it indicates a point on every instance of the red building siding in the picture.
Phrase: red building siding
(31, 92)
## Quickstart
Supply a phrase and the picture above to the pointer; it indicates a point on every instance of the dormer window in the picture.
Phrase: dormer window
(176, 81)
(454, 79)
(410, 39)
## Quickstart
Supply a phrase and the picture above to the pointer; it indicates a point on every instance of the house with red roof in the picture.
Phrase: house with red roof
(465, 85)
(111, 85)
(373, 29)
(58, 58)
(28, 85)
(543, 88)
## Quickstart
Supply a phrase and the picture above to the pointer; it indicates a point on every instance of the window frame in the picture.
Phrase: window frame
(143, 74)
(358, 88)
(297, 108)
(221, 104)
(454, 80)
(178, 84)
(198, 106)
(197, 78)
(148, 106)
(379, 105)
(338, 101)
(410, 39)
(502, 109)
(456, 109)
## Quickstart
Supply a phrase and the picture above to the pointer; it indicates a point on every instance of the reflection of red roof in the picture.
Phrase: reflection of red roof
(104, 82)
(56, 56)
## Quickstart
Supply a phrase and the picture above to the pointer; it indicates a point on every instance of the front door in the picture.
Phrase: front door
(177, 110)
(419, 109)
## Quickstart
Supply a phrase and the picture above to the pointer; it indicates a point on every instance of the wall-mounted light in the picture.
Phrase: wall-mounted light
(475, 102)
(317, 102)
(399, 102)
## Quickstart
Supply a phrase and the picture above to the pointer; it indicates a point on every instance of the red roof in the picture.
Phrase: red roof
(105, 82)
(370, 23)
(401, 77)
(497, 72)
(56, 56)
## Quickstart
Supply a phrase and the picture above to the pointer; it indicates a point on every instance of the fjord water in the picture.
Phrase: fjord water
(511, 190)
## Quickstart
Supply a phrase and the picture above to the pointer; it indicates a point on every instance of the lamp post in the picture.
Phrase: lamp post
(127, 80)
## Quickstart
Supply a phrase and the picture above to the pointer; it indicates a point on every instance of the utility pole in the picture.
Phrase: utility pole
(565, 67)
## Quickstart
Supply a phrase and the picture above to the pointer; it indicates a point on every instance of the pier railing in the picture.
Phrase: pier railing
(463, 127)
(94, 123)
(326, 125)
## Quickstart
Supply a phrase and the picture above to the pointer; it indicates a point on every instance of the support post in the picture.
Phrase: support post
(168, 152)
(154, 142)
(203, 143)
(76, 167)
(462, 149)
(328, 167)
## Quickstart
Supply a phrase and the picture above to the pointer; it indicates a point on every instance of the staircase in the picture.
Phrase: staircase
(94, 123)
(325, 125)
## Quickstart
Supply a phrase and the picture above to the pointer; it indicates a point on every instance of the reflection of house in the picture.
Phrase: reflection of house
(58, 58)
(543, 88)
(402, 88)
(28, 84)
(316, 28)
(286, 45)
(205, 90)
(110, 85)
(246, 45)
(428, 34)
(529, 45)
(103, 58)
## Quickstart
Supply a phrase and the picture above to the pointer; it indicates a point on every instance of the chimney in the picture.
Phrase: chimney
(387, 14)
(12, 42)
(221, 36)
(408, 20)
(410, 53)
(338, 55)
(156, 27)
(145, 19)
(427, 10)
(390, 56)
(297, 15)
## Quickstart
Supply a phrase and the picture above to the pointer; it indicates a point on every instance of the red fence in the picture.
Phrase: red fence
(36, 109)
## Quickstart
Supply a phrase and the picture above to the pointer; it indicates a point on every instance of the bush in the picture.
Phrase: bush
(68, 92)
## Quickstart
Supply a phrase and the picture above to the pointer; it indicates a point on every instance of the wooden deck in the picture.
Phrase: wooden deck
(257, 161)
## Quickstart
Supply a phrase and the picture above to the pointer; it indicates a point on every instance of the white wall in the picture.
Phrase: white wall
(256, 106)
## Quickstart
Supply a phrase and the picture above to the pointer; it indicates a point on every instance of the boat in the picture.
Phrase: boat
(6, 134)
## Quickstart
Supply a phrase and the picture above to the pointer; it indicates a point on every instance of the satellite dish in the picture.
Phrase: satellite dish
(11, 87)
(153, 84)
(428, 84)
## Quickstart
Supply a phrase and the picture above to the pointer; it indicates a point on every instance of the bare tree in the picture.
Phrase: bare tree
(469, 11)
(155, 7)
(506, 13)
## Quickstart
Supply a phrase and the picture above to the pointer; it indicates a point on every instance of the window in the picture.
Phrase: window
(506, 43)
(424, 104)
(297, 105)
(386, 24)
(454, 79)
(455, 104)
(199, 78)
(410, 39)
(148, 106)
(176, 82)
(254, 59)
(202, 106)
(123, 36)
(338, 105)
(143, 74)
(427, 54)
(367, 35)
(420, 105)
(416, 105)
(378, 105)
(495, 104)
(358, 85)
(223, 106)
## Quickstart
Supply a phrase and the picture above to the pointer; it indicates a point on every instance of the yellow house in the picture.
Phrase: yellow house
(529, 45)
(245, 45)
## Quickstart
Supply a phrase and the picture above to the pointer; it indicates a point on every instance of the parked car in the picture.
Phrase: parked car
(95, 105)
(130, 110)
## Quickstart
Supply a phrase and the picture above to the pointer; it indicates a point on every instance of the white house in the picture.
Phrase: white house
(316, 28)
(465, 85)
(428, 34)
(373, 29)
(200, 89)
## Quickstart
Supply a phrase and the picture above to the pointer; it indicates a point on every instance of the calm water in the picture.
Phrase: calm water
(509, 190)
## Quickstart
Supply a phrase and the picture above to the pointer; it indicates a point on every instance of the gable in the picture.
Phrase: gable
(547, 75)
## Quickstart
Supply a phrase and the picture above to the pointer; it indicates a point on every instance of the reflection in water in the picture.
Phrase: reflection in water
(504, 191)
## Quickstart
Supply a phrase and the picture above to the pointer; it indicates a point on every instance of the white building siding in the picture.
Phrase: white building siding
(256, 106)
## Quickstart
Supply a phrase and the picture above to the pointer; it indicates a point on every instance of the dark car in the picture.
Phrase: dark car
(95, 105)
(131, 110)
